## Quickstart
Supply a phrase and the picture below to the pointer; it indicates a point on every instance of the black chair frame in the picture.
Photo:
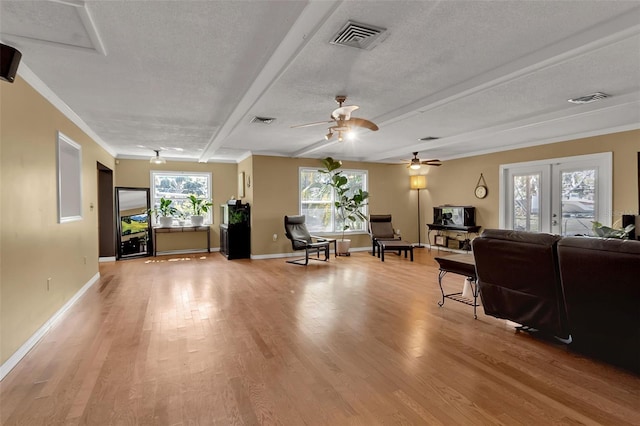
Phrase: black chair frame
(297, 232)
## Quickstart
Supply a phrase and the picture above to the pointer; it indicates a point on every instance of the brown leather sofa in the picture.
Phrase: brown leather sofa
(519, 279)
(601, 281)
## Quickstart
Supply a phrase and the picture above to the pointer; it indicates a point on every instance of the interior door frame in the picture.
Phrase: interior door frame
(605, 184)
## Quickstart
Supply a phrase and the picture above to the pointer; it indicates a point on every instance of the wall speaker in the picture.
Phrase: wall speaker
(9, 60)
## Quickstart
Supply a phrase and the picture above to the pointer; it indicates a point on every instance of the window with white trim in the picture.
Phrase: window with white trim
(177, 186)
(317, 200)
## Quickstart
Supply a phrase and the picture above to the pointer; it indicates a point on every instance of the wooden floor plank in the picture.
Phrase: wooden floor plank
(353, 341)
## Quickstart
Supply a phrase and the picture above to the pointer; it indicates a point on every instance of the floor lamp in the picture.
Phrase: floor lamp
(418, 182)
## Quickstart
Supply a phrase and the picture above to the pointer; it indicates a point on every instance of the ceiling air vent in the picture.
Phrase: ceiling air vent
(429, 138)
(589, 98)
(360, 36)
(262, 120)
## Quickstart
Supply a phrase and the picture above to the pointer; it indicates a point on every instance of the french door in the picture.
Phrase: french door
(561, 196)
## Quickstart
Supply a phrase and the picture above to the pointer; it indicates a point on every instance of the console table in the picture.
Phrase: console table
(171, 229)
(461, 264)
(466, 229)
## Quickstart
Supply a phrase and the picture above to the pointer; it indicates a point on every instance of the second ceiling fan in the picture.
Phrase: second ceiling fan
(342, 121)
(415, 163)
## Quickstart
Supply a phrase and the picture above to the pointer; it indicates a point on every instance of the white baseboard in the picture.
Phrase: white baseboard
(190, 251)
(106, 259)
(297, 254)
(14, 359)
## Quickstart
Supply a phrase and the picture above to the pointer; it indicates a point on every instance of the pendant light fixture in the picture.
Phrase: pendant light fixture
(157, 159)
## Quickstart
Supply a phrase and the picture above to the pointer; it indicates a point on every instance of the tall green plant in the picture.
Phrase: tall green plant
(348, 203)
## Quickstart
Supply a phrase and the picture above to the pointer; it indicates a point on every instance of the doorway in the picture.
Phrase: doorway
(106, 221)
(561, 196)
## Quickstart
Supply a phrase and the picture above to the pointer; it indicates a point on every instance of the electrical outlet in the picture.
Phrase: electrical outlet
(48, 284)
(85, 260)
(275, 237)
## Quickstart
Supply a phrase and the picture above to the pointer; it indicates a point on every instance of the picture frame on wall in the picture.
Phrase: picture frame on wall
(241, 185)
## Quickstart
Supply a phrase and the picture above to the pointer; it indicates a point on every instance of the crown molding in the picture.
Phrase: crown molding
(34, 81)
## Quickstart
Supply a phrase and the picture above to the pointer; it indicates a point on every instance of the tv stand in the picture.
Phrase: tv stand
(455, 228)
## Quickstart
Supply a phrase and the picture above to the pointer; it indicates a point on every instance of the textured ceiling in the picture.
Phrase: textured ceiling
(187, 77)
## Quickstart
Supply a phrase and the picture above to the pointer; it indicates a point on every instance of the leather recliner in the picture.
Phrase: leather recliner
(601, 281)
(519, 279)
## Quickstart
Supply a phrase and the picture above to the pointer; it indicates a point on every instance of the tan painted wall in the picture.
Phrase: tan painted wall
(137, 173)
(454, 182)
(33, 245)
(275, 182)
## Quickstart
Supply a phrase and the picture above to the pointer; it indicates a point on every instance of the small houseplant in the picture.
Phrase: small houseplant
(607, 232)
(237, 216)
(198, 206)
(348, 202)
(165, 212)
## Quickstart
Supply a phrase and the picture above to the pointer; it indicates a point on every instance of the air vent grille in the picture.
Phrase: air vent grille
(429, 138)
(262, 120)
(589, 98)
(360, 36)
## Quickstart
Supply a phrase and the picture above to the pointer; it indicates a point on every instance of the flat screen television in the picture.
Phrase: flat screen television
(454, 216)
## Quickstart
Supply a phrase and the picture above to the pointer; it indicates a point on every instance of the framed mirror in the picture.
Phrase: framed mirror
(133, 225)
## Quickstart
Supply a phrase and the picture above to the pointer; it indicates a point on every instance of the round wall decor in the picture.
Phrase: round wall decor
(481, 190)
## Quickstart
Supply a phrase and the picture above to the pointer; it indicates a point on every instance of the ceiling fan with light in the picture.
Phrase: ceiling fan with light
(342, 121)
(415, 163)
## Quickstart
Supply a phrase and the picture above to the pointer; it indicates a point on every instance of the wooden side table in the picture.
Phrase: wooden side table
(461, 264)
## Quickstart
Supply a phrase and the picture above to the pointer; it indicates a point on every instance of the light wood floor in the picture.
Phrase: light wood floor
(202, 340)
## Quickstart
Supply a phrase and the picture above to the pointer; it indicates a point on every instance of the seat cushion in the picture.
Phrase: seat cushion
(381, 230)
(297, 231)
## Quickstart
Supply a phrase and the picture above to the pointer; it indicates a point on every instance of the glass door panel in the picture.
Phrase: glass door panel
(526, 205)
(525, 200)
(577, 201)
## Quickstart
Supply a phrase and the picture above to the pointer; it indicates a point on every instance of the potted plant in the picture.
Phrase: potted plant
(607, 232)
(197, 207)
(348, 202)
(165, 212)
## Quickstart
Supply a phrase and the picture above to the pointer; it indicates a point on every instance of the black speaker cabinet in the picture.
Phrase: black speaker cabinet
(9, 60)
(629, 219)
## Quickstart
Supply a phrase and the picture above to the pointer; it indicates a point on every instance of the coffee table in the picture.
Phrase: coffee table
(394, 245)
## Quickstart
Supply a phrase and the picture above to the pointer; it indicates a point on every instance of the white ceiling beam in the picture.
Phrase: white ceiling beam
(310, 20)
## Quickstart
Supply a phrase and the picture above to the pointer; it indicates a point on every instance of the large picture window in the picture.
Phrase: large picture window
(177, 186)
(317, 200)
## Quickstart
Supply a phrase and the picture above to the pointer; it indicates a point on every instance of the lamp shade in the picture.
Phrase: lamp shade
(418, 181)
